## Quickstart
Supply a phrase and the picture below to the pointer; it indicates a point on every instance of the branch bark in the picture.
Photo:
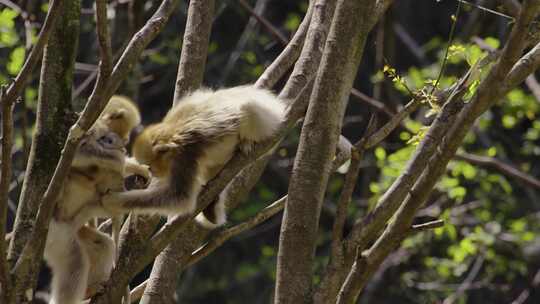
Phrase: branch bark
(54, 117)
(320, 133)
(194, 47)
(5, 180)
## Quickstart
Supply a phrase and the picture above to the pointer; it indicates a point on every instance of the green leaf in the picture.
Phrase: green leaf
(16, 61)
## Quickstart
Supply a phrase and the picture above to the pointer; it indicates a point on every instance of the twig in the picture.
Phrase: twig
(288, 56)
(484, 97)
(478, 262)
(248, 32)
(498, 165)
(342, 205)
(372, 102)
(390, 126)
(427, 226)
(524, 295)
(220, 238)
(5, 179)
(267, 25)
(534, 86)
(22, 78)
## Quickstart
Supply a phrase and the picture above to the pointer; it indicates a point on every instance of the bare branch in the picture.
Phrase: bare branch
(105, 50)
(22, 78)
(372, 102)
(427, 226)
(506, 169)
(220, 238)
(345, 197)
(473, 273)
(269, 27)
(390, 126)
(288, 56)
(342, 54)
(194, 47)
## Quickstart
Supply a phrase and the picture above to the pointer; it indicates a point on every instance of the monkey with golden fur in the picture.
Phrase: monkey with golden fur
(191, 145)
(81, 257)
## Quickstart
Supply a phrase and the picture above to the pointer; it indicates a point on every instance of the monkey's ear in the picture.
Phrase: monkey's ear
(118, 114)
(162, 148)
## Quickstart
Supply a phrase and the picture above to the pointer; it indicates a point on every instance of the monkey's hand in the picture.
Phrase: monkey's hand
(113, 202)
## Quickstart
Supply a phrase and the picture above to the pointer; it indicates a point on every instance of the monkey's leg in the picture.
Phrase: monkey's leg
(70, 274)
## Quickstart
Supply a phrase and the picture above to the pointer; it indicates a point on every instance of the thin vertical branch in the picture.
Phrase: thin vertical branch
(345, 197)
(5, 180)
(194, 47)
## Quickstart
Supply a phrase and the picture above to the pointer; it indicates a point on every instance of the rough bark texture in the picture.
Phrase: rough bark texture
(320, 133)
(194, 47)
(54, 117)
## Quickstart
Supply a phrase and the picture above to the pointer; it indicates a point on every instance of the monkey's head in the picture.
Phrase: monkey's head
(121, 115)
(156, 148)
(101, 144)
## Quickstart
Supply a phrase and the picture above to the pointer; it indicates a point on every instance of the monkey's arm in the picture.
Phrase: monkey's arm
(157, 199)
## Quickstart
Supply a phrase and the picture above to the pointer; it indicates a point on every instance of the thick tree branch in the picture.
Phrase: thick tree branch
(194, 47)
(54, 116)
(320, 133)
(22, 78)
(105, 50)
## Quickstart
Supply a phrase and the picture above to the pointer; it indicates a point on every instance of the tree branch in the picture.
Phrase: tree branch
(269, 27)
(506, 169)
(194, 48)
(5, 180)
(22, 78)
(342, 54)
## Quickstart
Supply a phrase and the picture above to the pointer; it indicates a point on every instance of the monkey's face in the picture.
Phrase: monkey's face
(102, 143)
(151, 148)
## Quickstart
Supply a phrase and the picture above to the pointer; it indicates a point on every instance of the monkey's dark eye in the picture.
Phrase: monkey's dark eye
(106, 140)
(110, 141)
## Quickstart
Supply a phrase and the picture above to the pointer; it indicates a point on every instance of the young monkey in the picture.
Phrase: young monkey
(80, 257)
(192, 144)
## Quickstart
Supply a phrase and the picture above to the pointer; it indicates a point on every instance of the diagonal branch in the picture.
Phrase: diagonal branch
(506, 169)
